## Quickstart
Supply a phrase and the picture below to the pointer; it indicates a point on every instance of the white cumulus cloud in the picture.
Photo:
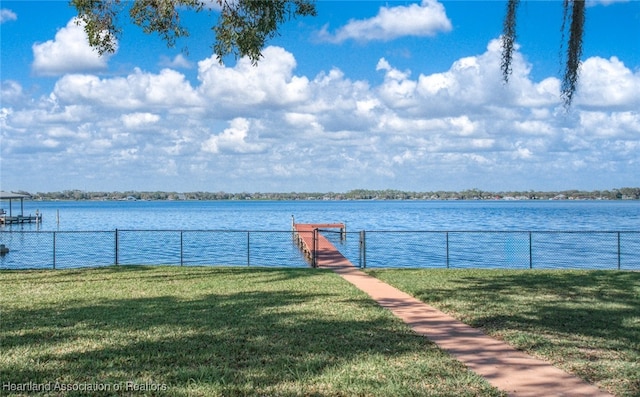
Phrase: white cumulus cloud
(135, 120)
(269, 127)
(7, 15)
(608, 82)
(134, 91)
(425, 19)
(178, 62)
(68, 52)
(233, 139)
(270, 83)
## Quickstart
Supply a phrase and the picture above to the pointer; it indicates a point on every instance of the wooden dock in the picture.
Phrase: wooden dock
(10, 220)
(317, 248)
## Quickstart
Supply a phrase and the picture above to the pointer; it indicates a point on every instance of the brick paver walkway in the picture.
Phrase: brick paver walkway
(503, 366)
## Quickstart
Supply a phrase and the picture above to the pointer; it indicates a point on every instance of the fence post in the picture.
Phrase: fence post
(181, 249)
(363, 249)
(116, 247)
(360, 250)
(54, 250)
(530, 253)
(248, 250)
(619, 253)
(447, 247)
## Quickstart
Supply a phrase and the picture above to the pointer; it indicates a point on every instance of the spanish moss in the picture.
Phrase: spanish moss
(574, 48)
(573, 20)
(508, 38)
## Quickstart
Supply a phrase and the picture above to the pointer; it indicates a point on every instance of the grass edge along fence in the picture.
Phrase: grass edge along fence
(596, 250)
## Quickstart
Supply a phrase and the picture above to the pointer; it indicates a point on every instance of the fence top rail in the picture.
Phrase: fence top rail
(506, 231)
(205, 230)
(323, 230)
(149, 231)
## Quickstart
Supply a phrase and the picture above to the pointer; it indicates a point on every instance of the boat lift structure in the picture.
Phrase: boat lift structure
(10, 218)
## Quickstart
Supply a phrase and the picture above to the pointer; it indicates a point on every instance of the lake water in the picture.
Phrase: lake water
(398, 233)
(358, 215)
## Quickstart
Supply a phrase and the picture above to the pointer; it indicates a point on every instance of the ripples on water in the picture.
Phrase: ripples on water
(402, 248)
(358, 215)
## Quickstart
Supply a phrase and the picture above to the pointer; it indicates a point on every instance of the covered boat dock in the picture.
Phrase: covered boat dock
(10, 218)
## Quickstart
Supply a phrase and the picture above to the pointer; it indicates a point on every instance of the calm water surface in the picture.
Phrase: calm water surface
(358, 215)
(457, 234)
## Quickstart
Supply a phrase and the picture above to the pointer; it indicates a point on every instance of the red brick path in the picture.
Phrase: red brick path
(503, 366)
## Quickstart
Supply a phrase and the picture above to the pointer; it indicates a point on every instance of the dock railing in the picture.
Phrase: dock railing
(610, 250)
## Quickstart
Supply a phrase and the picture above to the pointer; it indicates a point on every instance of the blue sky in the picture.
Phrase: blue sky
(395, 94)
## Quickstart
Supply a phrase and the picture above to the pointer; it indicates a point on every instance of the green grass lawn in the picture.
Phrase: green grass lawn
(214, 331)
(586, 322)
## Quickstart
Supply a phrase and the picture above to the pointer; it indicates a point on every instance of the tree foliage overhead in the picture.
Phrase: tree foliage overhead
(572, 23)
(246, 25)
(243, 28)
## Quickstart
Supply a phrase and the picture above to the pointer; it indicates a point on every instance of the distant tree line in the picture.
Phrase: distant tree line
(626, 193)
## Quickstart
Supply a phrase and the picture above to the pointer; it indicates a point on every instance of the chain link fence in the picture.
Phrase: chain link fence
(608, 250)
(75, 249)
(371, 249)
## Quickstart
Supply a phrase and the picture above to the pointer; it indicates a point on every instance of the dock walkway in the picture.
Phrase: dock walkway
(503, 366)
(316, 247)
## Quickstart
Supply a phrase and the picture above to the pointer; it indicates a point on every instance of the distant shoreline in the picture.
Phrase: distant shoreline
(358, 194)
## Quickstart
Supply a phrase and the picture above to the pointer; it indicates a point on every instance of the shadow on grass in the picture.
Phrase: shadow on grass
(598, 304)
(272, 341)
(586, 321)
(146, 272)
(233, 336)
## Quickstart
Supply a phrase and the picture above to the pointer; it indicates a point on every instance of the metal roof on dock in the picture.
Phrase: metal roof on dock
(12, 196)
